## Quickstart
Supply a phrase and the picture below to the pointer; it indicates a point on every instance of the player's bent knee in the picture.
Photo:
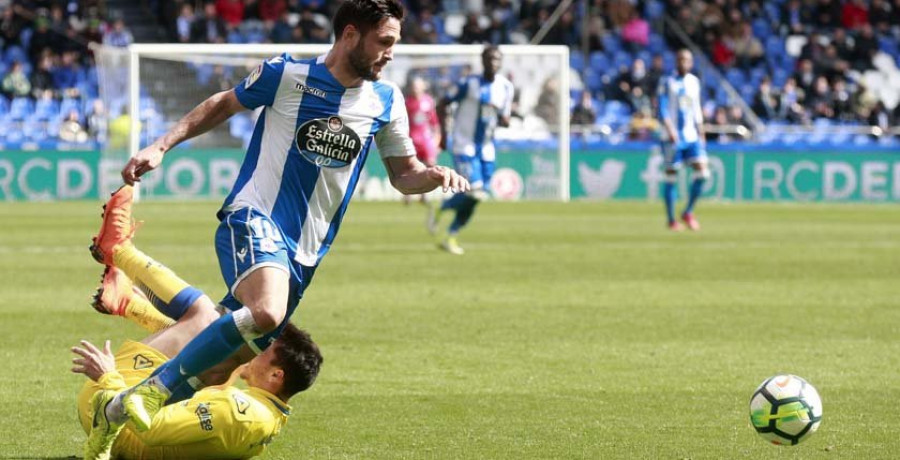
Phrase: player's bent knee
(267, 318)
(203, 312)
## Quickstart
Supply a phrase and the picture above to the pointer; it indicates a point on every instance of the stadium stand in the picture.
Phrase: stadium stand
(823, 65)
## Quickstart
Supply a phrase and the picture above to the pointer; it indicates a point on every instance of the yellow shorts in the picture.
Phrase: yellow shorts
(135, 361)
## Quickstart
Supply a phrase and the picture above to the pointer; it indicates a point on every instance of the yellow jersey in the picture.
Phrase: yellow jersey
(215, 423)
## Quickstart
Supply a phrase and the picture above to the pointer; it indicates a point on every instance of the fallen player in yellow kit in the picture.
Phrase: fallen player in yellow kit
(216, 422)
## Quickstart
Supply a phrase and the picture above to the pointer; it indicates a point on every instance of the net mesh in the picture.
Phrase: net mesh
(173, 80)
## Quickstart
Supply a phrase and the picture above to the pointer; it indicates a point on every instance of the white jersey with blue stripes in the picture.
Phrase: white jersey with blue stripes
(309, 146)
(679, 101)
(480, 104)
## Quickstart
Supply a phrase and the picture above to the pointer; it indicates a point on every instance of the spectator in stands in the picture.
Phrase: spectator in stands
(805, 77)
(864, 100)
(790, 104)
(548, 102)
(866, 47)
(118, 36)
(183, 23)
(643, 126)
(231, 11)
(210, 28)
(765, 103)
(828, 14)
(854, 14)
(737, 117)
(639, 100)
(65, 75)
(584, 112)
(564, 32)
(720, 118)
(748, 50)
(282, 31)
(796, 16)
(820, 102)
(10, 28)
(881, 15)
(832, 66)
(271, 10)
(636, 32)
(314, 31)
(880, 117)
(43, 38)
(472, 31)
(722, 55)
(843, 44)
(814, 48)
(97, 120)
(655, 74)
(842, 101)
(15, 83)
(42, 77)
(71, 130)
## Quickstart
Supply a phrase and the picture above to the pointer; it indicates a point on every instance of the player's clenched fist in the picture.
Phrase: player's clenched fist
(449, 179)
(145, 161)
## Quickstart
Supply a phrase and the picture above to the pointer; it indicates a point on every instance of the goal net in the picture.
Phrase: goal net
(161, 83)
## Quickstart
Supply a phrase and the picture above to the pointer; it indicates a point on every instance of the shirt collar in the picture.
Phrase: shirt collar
(264, 396)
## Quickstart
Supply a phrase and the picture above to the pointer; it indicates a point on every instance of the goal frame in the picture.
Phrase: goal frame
(136, 51)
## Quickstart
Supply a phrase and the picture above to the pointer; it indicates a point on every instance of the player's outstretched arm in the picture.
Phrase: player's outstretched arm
(410, 176)
(206, 116)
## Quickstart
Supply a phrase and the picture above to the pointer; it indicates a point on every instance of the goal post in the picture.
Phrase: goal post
(164, 81)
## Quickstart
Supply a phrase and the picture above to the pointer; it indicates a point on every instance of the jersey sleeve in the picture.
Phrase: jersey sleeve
(698, 106)
(663, 95)
(458, 91)
(393, 139)
(205, 416)
(506, 109)
(259, 88)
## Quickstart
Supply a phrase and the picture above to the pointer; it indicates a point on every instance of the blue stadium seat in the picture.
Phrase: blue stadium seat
(33, 129)
(593, 79)
(646, 56)
(4, 106)
(25, 37)
(15, 53)
(654, 9)
(21, 108)
(239, 125)
(889, 45)
(46, 109)
(611, 43)
(735, 77)
(657, 43)
(775, 47)
(599, 61)
(747, 91)
(621, 58)
(761, 28)
(576, 61)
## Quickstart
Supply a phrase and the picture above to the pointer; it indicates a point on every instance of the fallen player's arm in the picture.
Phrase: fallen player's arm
(98, 365)
(210, 113)
(410, 176)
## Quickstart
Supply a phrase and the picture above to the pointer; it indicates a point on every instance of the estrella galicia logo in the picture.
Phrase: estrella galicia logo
(327, 142)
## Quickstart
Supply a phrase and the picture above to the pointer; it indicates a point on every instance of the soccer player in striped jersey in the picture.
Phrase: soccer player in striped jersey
(682, 118)
(320, 117)
(483, 102)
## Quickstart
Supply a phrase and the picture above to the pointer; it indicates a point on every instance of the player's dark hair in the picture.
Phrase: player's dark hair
(488, 49)
(299, 357)
(365, 14)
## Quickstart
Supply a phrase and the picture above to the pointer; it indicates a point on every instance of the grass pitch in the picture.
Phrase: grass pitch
(582, 330)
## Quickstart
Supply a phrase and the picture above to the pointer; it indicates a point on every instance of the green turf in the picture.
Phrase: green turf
(567, 331)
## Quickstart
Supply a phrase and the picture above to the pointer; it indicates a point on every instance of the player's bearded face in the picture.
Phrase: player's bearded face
(375, 49)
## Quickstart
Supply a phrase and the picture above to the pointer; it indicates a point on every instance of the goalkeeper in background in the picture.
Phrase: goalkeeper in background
(483, 102)
(216, 422)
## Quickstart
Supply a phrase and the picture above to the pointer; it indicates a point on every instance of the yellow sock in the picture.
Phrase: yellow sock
(164, 283)
(146, 316)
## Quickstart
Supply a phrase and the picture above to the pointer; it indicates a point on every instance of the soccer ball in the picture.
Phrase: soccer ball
(785, 410)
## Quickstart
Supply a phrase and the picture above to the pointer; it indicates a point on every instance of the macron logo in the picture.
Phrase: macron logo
(242, 253)
(310, 90)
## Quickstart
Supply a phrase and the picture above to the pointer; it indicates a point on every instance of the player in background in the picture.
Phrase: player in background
(308, 148)
(483, 102)
(221, 422)
(684, 139)
(424, 128)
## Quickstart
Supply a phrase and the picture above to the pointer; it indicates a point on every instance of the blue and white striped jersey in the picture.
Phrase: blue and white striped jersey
(481, 103)
(679, 101)
(309, 146)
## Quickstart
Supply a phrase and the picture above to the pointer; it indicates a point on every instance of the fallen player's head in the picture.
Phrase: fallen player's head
(288, 367)
(370, 29)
